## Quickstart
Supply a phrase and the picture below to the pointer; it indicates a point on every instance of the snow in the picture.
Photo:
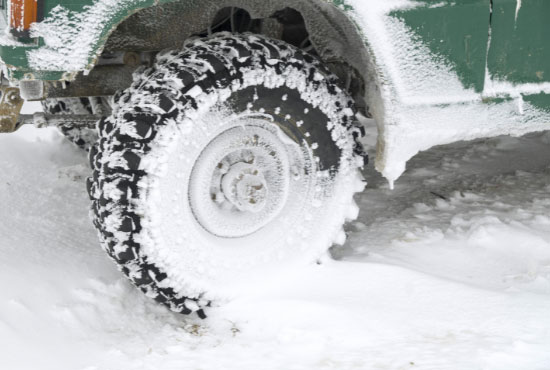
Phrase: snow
(518, 8)
(70, 36)
(495, 88)
(422, 127)
(451, 270)
(6, 39)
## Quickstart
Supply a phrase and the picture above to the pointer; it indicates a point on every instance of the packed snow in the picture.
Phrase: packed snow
(451, 270)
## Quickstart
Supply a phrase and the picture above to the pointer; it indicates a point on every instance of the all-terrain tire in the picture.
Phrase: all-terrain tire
(145, 161)
(82, 137)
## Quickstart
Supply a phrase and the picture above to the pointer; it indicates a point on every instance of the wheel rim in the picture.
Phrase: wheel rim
(241, 180)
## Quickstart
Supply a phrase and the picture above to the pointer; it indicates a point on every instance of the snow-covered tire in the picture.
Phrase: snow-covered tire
(80, 136)
(227, 113)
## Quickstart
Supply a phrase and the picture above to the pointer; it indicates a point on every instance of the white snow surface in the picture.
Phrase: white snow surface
(451, 270)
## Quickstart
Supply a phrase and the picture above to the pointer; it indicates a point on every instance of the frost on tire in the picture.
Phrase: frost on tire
(224, 163)
(82, 137)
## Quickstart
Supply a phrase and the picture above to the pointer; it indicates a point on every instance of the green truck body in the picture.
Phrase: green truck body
(510, 43)
(497, 50)
(457, 30)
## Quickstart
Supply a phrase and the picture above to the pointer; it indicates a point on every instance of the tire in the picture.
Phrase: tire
(82, 137)
(226, 162)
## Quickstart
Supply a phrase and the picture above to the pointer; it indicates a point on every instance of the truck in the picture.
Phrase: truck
(224, 136)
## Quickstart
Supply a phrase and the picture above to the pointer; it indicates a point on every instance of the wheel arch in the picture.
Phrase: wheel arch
(336, 38)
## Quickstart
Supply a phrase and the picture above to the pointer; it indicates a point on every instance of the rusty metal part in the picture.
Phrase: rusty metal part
(101, 81)
(42, 120)
(132, 59)
(31, 90)
(10, 107)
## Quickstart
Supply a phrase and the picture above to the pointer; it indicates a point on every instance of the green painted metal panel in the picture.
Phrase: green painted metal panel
(540, 101)
(457, 31)
(520, 41)
(342, 4)
(16, 57)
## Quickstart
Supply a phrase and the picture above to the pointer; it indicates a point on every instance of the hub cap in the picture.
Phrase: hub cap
(241, 180)
(244, 185)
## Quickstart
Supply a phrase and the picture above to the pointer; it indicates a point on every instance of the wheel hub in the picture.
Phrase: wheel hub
(241, 180)
(244, 185)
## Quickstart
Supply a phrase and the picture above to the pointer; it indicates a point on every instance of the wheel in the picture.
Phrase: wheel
(231, 160)
(82, 137)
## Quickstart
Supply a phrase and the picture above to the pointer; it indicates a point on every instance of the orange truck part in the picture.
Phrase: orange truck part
(22, 14)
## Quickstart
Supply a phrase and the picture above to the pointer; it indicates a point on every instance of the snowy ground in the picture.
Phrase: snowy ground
(451, 270)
